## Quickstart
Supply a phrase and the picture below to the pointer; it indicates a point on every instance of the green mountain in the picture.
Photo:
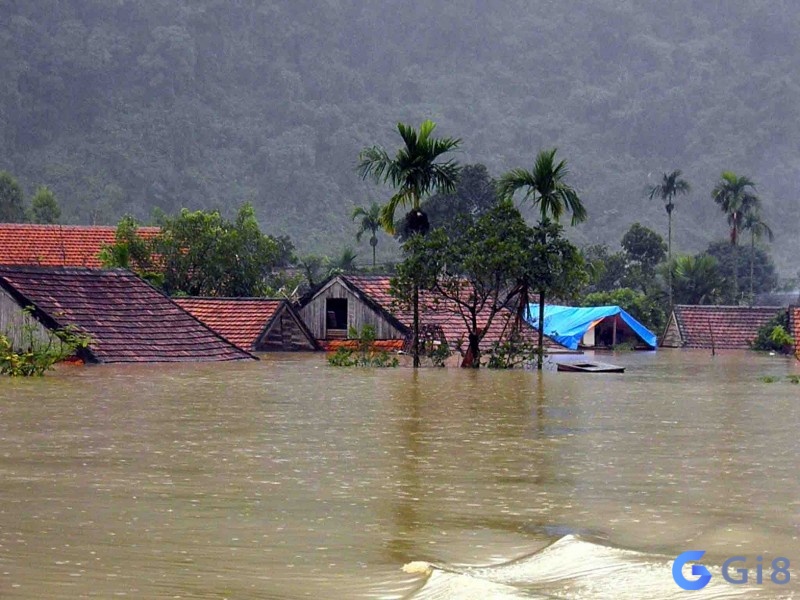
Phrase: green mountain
(121, 106)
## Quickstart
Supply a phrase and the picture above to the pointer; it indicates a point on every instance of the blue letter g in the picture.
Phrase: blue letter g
(703, 575)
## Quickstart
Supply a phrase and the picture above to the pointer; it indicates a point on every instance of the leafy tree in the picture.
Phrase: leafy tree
(44, 207)
(735, 196)
(11, 206)
(414, 172)
(667, 189)
(545, 187)
(697, 279)
(644, 249)
(370, 222)
(475, 271)
(765, 276)
(130, 251)
(758, 229)
(606, 271)
(201, 253)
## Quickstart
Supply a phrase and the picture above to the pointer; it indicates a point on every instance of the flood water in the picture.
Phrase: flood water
(291, 479)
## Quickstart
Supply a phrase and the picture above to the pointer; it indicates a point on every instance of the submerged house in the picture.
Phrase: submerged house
(592, 327)
(716, 327)
(346, 301)
(126, 319)
(257, 324)
(794, 328)
(58, 245)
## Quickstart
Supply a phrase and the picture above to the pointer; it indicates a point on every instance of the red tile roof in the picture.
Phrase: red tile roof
(57, 245)
(380, 345)
(241, 320)
(127, 319)
(794, 328)
(434, 310)
(723, 327)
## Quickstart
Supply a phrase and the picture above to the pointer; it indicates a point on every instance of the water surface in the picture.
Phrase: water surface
(291, 479)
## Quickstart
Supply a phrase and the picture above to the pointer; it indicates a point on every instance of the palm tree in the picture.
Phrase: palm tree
(414, 172)
(546, 187)
(671, 185)
(697, 279)
(758, 229)
(736, 197)
(370, 221)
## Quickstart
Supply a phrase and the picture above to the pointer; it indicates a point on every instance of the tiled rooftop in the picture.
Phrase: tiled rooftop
(127, 319)
(794, 328)
(723, 327)
(57, 245)
(433, 310)
(241, 320)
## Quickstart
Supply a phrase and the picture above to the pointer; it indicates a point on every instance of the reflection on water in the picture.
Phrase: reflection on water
(290, 479)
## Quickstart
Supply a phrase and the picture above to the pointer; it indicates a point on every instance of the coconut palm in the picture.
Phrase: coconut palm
(414, 172)
(697, 279)
(370, 221)
(736, 196)
(670, 186)
(545, 187)
(758, 229)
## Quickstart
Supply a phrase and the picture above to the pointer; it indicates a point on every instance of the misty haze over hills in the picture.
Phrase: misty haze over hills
(121, 106)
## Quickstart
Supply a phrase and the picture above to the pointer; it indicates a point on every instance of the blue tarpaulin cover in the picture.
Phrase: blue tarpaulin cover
(568, 324)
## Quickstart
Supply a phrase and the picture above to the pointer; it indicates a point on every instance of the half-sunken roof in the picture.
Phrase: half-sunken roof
(724, 327)
(57, 245)
(127, 319)
(438, 311)
(247, 321)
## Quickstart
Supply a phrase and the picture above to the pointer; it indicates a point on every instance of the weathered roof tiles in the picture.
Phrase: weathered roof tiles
(57, 245)
(127, 319)
(722, 327)
(252, 323)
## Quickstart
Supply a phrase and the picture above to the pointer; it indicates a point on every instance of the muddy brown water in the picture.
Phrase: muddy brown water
(291, 479)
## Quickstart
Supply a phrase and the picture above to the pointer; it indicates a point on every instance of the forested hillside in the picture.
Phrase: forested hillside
(121, 106)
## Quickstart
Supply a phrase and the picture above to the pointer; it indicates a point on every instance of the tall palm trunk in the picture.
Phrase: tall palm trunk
(540, 343)
(752, 262)
(669, 254)
(735, 253)
(415, 350)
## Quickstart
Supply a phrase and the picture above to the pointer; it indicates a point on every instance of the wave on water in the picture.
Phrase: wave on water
(574, 569)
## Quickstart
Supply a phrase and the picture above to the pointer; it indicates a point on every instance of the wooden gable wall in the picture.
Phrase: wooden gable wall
(19, 326)
(358, 313)
(285, 333)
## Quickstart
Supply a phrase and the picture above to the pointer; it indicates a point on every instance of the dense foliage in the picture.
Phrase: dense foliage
(774, 335)
(201, 253)
(126, 105)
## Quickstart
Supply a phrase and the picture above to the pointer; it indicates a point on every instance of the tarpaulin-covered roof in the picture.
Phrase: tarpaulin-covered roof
(568, 324)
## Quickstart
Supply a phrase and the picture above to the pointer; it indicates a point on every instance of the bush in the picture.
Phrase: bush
(774, 335)
(365, 354)
(37, 355)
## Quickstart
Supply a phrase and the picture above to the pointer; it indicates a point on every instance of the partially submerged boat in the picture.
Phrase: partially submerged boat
(589, 367)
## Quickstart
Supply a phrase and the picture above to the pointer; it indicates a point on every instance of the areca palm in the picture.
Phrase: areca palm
(758, 229)
(670, 186)
(736, 197)
(370, 221)
(545, 187)
(414, 171)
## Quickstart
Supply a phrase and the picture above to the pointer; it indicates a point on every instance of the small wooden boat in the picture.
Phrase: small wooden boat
(589, 367)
